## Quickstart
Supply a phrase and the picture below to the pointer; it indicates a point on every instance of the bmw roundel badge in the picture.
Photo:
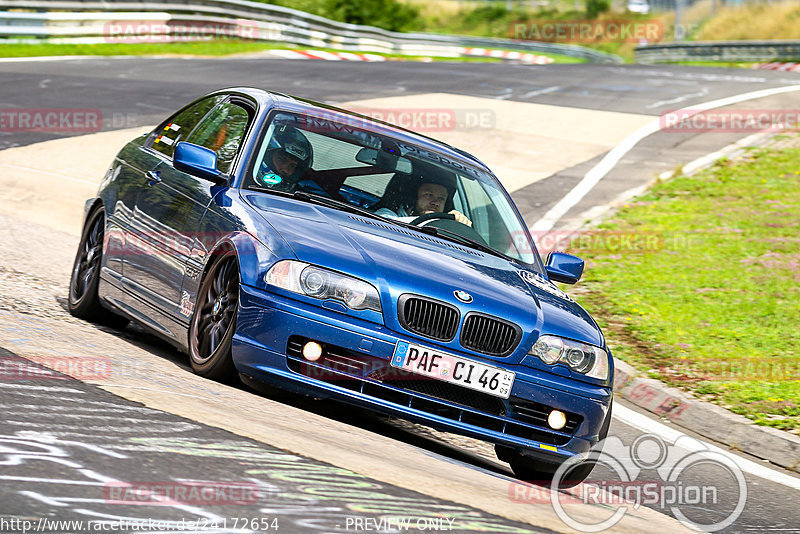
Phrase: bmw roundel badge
(463, 296)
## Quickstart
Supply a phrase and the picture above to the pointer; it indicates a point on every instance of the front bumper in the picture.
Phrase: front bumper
(271, 327)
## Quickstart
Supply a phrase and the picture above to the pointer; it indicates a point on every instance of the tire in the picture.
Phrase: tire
(530, 470)
(214, 320)
(83, 301)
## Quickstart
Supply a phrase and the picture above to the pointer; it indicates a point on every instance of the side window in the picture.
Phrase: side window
(179, 125)
(481, 209)
(222, 131)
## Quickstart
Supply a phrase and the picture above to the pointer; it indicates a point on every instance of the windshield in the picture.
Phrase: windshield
(390, 179)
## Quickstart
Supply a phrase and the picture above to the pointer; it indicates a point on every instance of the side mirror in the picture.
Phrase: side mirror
(198, 161)
(564, 268)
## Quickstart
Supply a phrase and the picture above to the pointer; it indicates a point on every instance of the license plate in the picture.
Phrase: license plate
(432, 363)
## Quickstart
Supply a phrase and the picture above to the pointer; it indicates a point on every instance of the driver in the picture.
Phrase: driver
(431, 198)
(431, 195)
(288, 157)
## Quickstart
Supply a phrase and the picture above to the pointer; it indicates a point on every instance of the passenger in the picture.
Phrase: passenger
(288, 157)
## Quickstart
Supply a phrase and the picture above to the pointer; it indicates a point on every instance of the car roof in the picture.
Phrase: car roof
(284, 102)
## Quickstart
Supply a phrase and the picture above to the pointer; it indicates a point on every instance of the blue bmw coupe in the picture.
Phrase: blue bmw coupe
(311, 249)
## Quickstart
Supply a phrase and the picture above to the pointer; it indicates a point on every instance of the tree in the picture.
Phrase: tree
(595, 7)
(388, 14)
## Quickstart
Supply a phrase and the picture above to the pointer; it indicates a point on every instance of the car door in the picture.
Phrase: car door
(221, 131)
(171, 203)
(128, 172)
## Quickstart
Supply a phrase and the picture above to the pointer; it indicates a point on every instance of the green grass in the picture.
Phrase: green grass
(698, 284)
(777, 20)
(217, 47)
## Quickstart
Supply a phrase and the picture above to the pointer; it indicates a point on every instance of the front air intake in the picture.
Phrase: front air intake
(489, 335)
(427, 317)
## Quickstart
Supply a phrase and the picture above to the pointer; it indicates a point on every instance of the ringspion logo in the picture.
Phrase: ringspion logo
(687, 478)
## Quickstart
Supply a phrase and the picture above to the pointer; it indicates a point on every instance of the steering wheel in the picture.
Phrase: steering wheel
(431, 216)
(447, 221)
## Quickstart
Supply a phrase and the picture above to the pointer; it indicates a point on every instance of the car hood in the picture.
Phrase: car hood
(398, 260)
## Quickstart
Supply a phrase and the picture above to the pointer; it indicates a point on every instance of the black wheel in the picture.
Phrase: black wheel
(531, 470)
(83, 300)
(214, 320)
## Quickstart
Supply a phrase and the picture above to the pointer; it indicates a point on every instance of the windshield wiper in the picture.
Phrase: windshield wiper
(333, 203)
(458, 238)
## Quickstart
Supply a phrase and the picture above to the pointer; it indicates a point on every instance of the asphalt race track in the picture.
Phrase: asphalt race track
(315, 467)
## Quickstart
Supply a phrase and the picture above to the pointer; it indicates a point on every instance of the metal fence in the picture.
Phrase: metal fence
(730, 51)
(88, 21)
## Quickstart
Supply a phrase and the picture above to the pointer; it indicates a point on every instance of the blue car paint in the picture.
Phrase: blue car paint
(197, 160)
(261, 353)
(264, 228)
(564, 267)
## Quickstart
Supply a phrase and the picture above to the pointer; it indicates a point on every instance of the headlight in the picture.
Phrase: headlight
(582, 358)
(319, 283)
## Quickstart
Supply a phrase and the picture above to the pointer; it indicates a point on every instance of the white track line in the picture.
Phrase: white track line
(41, 388)
(596, 214)
(684, 98)
(645, 424)
(599, 171)
(544, 91)
(44, 58)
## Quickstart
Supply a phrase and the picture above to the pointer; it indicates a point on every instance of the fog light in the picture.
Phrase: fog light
(556, 420)
(312, 351)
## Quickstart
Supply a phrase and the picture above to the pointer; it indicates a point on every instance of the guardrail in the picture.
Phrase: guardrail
(732, 51)
(87, 21)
